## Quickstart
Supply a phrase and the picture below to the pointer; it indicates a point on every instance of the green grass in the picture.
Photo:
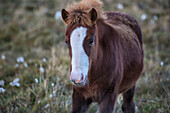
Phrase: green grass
(28, 29)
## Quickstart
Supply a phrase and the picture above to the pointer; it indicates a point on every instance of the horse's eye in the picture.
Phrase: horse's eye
(91, 42)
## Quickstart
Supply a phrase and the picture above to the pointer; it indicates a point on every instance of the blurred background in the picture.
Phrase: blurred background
(34, 60)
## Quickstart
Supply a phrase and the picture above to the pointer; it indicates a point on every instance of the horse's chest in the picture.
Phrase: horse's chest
(94, 93)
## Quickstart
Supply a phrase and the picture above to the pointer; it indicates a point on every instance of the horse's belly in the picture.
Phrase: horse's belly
(130, 77)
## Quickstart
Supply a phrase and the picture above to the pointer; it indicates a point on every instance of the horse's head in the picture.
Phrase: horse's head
(80, 38)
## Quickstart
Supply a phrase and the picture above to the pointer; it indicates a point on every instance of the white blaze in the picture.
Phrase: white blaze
(80, 61)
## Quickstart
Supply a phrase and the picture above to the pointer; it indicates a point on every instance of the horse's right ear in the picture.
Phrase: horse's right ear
(93, 15)
(64, 14)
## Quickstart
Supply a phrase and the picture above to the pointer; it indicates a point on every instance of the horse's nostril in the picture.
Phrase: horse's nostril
(79, 81)
(81, 77)
(73, 80)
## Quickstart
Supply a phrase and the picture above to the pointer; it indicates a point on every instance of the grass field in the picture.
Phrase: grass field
(34, 60)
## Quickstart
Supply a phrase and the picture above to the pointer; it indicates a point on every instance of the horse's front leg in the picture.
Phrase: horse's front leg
(79, 103)
(108, 102)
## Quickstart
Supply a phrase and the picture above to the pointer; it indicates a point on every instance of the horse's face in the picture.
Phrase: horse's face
(80, 40)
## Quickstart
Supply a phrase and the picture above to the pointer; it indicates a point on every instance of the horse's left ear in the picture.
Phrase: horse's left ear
(93, 15)
(64, 14)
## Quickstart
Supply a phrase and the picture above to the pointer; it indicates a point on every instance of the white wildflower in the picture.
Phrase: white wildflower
(38, 101)
(54, 92)
(11, 83)
(136, 108)
(20, 59)
(52, 84)
(42, 70)
(120, 6)
(161, 63)
(36, 80)
(58, 15)
(143, 16)
(2, 82)
(2, 90)
(46, 106)
(51, 95)
(44, 60)
(16, 65)
(15, 82)
(3, 57)
(57, 79)
(155, 17)
(25, 64)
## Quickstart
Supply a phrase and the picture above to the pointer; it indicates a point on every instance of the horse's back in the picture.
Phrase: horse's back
(127, 20)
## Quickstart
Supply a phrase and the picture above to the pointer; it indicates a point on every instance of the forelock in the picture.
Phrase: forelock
(78, 11)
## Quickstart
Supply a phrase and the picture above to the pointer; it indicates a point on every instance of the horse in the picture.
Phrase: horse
(106, 55)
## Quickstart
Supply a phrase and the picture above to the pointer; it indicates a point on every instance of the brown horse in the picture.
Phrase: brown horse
(106, 56)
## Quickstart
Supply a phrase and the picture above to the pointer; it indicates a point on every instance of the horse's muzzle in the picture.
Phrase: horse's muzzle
(79, 81)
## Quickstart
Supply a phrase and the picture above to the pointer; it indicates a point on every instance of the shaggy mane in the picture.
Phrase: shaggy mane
(79, 11)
